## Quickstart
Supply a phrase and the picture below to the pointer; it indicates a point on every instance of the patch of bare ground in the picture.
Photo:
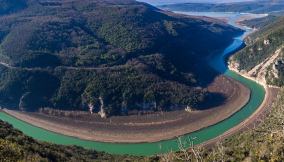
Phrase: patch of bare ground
(259, 72)
(145, 128)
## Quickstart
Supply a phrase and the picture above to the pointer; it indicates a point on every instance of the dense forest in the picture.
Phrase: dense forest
(256, 50)
(122, 54)
(70, 54)
(261, 143)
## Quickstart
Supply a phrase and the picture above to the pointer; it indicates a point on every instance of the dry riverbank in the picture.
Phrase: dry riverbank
(258, 116)
(147, 128)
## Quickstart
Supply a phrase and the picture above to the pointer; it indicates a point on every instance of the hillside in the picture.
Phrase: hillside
(260, 22)
(260, 6)
(112, 56)
(10, 6)
(15, 146)
(264, 46)
(261, 143)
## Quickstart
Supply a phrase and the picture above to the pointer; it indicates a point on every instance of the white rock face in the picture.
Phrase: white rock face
(266, 42)
(102, 111)
(91, 108)
(188, 109)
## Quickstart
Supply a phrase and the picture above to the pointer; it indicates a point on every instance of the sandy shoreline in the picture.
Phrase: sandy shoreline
(151, 129)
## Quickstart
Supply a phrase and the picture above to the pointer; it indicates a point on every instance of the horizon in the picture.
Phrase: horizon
(165, 2)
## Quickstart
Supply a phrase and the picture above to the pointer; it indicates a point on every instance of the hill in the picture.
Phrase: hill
(259, 143)
(264, 46)
(10, 6)
(104, 55)
(15, 146)
(262, 6)
(260, 22)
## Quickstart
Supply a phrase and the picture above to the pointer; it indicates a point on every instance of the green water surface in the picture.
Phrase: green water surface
(257, 96)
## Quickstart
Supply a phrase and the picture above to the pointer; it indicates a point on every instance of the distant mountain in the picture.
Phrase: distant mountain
(119, 54)
(166, 2)
(261, 6)
(260, 22)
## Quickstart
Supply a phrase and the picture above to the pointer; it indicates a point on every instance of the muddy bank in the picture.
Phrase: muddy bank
(146, 128)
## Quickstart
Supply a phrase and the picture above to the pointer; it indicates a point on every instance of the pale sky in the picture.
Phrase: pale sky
(161, 2)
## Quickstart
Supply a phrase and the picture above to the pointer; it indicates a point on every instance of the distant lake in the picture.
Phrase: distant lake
(232, 17)
(164, 2)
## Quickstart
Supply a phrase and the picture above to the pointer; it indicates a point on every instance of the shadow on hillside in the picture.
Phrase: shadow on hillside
(211, 101)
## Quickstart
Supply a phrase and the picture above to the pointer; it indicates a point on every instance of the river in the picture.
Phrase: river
(203, 135)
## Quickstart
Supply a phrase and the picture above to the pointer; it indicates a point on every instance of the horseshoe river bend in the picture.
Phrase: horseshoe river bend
(218, 62)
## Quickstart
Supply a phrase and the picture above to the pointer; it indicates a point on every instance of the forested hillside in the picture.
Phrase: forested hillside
(261, 46)
(81, 54)
(262, 143)
(15, 147)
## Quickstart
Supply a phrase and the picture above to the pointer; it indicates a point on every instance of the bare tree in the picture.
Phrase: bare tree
(187, 151)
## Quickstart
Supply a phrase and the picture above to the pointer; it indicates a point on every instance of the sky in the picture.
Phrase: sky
(161, 2)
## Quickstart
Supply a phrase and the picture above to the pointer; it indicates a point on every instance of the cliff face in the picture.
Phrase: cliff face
(263, 55)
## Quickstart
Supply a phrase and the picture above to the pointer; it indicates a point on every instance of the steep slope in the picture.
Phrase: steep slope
(10, 6)
(263, 55)
(15, 146)
(262, 143)
(115, 55)
(260, 22)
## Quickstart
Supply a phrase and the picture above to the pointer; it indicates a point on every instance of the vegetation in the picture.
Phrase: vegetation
(275, 72)
(256, 50)
(15, 146)
(9, 6)
(69, 54)
(262, 143)
(260, 22)
(262, 6)
(65, 54)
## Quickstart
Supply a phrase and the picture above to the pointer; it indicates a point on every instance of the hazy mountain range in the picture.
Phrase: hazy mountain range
(163, 2)
(260, 6)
